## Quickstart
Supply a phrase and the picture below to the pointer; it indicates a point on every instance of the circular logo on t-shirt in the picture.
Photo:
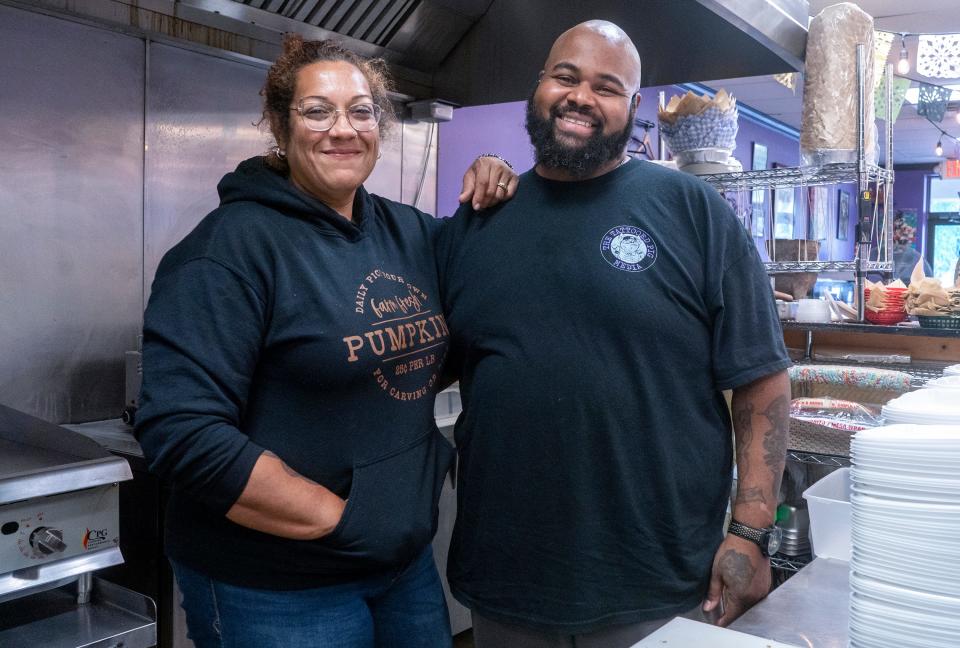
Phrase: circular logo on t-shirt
(628, 248)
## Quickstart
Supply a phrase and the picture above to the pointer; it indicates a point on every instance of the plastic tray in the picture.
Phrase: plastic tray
(944, 322)
(829, 503)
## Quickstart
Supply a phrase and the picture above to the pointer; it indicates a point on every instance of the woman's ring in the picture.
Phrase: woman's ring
(501, 185)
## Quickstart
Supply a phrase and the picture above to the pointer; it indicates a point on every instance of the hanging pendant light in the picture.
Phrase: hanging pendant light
(939, 149)
(903, 65)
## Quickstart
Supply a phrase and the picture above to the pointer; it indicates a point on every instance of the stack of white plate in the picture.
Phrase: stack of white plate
(925, 407)
(905, 513)
(946, 382)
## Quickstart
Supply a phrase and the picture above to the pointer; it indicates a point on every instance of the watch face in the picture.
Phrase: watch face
(774, 536)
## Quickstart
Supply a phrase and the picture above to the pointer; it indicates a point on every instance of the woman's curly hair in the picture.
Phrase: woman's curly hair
(281, 85)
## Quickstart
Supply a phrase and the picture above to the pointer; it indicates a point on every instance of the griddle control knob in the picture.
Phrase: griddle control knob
(47, 541)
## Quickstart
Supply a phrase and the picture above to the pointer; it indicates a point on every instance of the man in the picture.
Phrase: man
(595, 443)
(905, 258)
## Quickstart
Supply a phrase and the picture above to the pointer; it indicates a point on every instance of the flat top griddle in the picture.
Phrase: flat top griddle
(18, 459)
(38, 458)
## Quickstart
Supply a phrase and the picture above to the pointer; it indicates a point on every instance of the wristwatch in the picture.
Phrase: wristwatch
(767, 539)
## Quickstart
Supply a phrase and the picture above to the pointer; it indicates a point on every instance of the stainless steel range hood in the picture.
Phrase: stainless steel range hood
(480, 51)
(678, 41)
(488, 51)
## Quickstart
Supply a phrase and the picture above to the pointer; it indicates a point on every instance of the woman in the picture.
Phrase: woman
(292, 347)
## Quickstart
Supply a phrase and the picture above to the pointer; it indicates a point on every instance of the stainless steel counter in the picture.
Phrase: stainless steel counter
(810, 609)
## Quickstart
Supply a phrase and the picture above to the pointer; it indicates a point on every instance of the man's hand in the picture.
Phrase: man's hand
(488, 182)
(740, 577)
(761, 418)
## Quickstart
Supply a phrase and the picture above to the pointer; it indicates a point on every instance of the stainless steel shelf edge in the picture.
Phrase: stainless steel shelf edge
(826, 266)
(818, 459)
(23, 582)
(77, 476)
(114, 617)
(786, 563)
(784, 177)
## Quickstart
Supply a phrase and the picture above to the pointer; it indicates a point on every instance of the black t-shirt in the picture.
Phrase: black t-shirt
(594, 325)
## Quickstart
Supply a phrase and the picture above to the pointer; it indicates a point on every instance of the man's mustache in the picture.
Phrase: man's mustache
(584, 111)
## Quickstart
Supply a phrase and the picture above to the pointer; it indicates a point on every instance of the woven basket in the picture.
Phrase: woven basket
(820, 439)
(885, 317)
(865, 395)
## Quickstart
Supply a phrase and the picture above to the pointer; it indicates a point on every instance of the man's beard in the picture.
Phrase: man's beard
(579, 161)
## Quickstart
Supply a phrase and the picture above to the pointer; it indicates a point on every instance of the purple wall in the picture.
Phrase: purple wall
(499, 128)
(909, 192)
(495, 128)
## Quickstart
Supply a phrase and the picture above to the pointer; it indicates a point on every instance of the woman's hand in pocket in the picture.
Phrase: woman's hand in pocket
(280, 501)
(331, 513)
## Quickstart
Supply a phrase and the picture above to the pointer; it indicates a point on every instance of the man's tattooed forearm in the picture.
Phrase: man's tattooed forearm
(776, 438)
(743, 429)
(750, 494)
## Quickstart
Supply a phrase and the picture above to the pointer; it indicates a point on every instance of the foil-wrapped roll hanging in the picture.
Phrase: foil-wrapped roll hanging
(828, 132)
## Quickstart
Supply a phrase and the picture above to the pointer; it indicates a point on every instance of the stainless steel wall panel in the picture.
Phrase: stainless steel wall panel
(420, 141)
(88, 208)
(200, 118)
(71, 152)
(199, 126)
(385, 179)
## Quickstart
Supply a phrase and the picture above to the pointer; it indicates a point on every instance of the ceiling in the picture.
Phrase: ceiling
(914, 137)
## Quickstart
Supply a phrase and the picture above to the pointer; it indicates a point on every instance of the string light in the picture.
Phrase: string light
(903, 68)
(938, 149)
(903, 65)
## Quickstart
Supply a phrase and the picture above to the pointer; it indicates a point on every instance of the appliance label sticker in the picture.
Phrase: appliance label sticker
(96, 538)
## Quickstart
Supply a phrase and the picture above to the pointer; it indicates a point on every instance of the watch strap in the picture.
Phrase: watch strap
(756, 536)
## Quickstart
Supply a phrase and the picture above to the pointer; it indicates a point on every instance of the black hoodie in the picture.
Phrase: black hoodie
(279, 325)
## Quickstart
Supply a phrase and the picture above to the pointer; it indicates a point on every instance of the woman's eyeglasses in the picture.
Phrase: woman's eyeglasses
(320, 116)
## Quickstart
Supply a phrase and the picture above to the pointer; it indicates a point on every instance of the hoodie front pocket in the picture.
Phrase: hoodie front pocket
(391, 510)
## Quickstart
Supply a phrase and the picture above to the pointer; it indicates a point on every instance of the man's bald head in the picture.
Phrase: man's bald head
(607, 38)
(580, 116)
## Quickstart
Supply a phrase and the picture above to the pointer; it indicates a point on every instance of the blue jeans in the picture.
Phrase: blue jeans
(403, 608)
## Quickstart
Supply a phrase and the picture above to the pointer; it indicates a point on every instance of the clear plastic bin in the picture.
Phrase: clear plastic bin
(829, 503)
